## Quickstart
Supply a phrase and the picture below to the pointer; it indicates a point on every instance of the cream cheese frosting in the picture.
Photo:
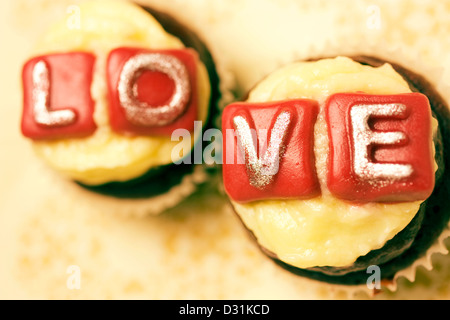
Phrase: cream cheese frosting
(325, 231)
(107, 156)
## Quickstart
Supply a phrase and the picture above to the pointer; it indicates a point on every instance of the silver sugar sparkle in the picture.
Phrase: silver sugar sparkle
(40, 101)
(261, 171)
(363, 137)
(141, 113)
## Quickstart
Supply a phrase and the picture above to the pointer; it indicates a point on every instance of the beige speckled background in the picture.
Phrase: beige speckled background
(199, 249)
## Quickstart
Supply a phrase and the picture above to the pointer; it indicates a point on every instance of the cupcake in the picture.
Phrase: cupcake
(339, 164)
(104, 93)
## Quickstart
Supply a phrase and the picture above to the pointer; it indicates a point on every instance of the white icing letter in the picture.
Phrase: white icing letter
(363, 137)
(41, 93)
(261, 170)
(140, 113)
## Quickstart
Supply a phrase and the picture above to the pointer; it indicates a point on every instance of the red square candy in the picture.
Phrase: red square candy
(380, 147)
(152, 78)
(278, 136)
(57, 100)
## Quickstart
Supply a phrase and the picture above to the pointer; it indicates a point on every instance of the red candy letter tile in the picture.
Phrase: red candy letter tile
(152, 92)
(268, 150)
(380, 147)
(57, 99)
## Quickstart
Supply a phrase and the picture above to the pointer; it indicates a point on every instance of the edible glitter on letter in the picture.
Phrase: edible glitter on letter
(364, 137)
(273, 143)
(262, 170)
(41, 93)
(381, 147)
(139, 112)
